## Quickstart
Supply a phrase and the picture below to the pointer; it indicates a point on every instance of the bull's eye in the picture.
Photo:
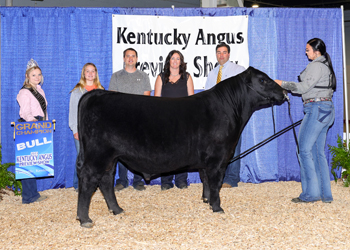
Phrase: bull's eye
(262, 80)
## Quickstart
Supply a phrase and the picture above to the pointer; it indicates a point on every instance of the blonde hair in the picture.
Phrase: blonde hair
(82, 82)
(26, 81)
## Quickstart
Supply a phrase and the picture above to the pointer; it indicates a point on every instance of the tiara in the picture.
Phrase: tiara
(32, 63)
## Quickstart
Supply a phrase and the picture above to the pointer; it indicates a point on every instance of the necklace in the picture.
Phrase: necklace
(174, 75)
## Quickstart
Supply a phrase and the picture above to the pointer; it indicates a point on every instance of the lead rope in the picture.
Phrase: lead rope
(295, 135)
(248, 151)
(273, 119)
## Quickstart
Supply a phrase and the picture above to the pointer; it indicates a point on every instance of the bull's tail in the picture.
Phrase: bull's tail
(83, 102)
(80, 158)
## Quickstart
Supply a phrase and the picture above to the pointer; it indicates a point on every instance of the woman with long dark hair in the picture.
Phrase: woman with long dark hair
(174, 82)
(316, 86)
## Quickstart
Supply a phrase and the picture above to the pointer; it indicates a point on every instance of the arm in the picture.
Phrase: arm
(24, 101)
(313, 74)
(113, 83)
(76, 136)
(211, 80)
(279, 82)
(190, 87)
(73, 111)
(158, 86)
(147, 85)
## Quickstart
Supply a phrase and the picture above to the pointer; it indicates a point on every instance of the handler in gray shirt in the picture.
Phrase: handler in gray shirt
(130, 80)
(316, 86)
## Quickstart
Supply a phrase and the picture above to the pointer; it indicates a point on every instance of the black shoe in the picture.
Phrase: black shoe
(182, 186)
(140, 187)
(165, 187)
(118, 187)
(297, 200)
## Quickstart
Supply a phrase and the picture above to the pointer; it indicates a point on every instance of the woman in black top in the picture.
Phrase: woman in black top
(174, 82)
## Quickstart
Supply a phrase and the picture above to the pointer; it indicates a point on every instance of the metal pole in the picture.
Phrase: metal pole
(9, 3)
(345, 83)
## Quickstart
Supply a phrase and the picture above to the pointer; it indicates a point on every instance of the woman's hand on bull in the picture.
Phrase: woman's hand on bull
(76, 136)
(279, 82)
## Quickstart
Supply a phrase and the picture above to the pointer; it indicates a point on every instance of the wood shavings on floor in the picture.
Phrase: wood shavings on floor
(257, 216)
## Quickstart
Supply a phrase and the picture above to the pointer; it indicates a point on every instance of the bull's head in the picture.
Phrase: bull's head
(265, 87)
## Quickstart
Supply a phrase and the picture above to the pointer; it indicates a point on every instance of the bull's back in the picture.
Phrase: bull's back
(142, 125)
(139, 118)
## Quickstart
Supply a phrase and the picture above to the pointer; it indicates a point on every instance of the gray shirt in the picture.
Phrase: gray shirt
(316, 74)
(73, 108)
(131, 83)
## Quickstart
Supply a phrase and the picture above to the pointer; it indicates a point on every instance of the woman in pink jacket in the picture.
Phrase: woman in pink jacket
(32, 103)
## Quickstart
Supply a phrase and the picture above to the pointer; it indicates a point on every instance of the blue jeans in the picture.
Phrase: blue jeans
(29, 187)
(75, 176)
(232, 174)
(123, 177)
(179, 179)
(29, 191)
(314, 170)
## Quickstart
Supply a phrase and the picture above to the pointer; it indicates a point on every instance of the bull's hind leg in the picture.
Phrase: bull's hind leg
(215, 177)
(206, 190)
(87, 185)
(84, 195)
(107, 189)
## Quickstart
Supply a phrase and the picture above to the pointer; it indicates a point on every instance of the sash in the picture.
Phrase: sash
(40, 99)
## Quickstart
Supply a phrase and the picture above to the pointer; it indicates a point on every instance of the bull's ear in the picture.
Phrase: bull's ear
(248, 74)
(250, 69)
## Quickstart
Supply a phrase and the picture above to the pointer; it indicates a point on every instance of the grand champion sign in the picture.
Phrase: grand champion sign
(153, 37)
(34, 149)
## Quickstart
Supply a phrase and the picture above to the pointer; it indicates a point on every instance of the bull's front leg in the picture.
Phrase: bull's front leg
(206, 190)
(215, 178)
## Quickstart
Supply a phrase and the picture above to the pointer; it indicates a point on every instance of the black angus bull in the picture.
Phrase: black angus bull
(154, 135)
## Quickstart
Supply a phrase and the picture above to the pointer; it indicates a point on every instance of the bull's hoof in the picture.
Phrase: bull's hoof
(218, 210)
(87, 224)
(116, 212)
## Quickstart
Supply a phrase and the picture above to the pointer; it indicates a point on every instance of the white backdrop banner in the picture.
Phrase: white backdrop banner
(153, 37)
